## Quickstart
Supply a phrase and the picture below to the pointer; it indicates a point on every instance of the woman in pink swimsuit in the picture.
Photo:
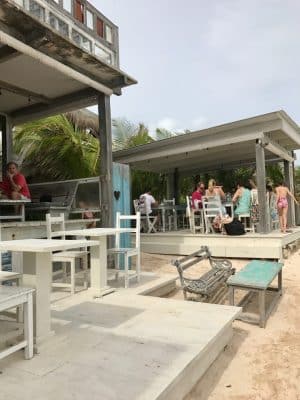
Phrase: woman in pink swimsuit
(282, 204)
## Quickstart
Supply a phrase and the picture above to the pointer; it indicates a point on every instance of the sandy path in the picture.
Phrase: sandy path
(259, 364)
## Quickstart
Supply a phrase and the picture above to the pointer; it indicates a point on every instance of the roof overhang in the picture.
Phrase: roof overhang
(220, 147)
(43, 73)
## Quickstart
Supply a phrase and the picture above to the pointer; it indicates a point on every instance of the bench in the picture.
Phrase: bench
(207, 283)
(16, 296)
(257, 277)
(14, 203)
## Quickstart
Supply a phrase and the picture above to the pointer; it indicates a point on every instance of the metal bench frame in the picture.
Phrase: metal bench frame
(206, 284)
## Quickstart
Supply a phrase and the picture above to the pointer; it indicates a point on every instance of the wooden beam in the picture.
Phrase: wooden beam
(277, 149)
(24, 92)
(6, 129)
(7, 53)
(264, 226)
(289, 180)
(70, 102)
(105, 137)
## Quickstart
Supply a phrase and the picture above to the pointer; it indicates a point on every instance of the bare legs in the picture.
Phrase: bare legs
(282, 212)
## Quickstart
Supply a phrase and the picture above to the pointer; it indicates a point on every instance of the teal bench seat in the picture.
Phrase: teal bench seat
(257, 277)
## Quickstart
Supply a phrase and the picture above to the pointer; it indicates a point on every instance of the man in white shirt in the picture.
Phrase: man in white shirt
(146, 203)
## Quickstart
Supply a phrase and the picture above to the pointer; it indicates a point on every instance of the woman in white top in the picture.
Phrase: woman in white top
(215, 193)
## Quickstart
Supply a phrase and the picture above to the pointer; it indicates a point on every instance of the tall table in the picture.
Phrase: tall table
(98, 285)
(37, 273)
(174, 209)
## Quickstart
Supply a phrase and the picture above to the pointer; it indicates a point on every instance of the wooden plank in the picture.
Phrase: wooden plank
(256, 274)
(105, 137)
(261, 187)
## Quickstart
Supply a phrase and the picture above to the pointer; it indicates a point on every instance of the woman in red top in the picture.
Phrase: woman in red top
(14, 186)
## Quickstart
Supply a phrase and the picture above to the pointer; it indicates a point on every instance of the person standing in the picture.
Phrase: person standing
(242, 198)
(14, 185)
(282, 204)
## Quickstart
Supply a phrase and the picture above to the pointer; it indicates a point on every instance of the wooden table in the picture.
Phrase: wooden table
(257, 277)
(37, 273)
(14, 296)
(169, 207)
(99, 285)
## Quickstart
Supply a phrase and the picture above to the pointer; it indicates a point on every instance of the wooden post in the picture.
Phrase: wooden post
(170, 185)
(289, 180)
(176, 186)
(105, 137)
(261, 187)
(6, 129)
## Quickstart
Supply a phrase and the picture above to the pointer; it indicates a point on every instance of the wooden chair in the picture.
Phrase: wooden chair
(66, 257)
(148, 221)
(211, 209)
(244, 218)
(128, 251)
(196, 221)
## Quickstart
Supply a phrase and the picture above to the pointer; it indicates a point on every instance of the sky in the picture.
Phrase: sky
(202, 63)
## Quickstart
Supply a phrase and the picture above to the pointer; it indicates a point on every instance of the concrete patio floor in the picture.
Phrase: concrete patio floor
(123, 346)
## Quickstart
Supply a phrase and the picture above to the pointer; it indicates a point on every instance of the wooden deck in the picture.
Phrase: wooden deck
(251, 245)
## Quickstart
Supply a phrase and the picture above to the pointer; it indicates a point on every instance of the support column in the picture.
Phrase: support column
(105, 137)
(289, 180)
(170, 185)
(6, 129)
(176, 186)
(261, 187)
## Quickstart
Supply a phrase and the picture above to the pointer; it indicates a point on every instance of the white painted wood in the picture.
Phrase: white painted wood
(37, 273)
(128, 252)
(65, 257)
(98, 273)
(43, 245)
(12, 296)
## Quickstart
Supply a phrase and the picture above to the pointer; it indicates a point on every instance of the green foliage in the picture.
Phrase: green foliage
(52, 149)
(274, 174)
(126, 134)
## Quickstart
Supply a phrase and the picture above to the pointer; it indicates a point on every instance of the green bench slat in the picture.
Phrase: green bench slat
(257, 274)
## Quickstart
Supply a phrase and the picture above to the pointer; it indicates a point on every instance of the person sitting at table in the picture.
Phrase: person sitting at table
(14, 185)
(87, 214)
(242, 199)
(197, 196)
(148, 205)
(215, 193)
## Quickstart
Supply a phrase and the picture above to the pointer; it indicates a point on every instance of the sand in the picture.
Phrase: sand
(259, 364)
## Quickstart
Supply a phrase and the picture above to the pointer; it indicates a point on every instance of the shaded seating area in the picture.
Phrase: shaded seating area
(252, 142)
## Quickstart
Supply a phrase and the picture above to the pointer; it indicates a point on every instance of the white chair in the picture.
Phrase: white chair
(66, 257)
(196, 221)
(148, 221)
(128, 251)
(211, 208)
(244, 218)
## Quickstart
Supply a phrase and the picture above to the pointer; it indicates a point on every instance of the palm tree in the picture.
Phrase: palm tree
(60, 150)
(126, 134)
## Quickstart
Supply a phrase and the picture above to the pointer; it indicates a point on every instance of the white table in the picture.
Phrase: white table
(37, 273)
(14, 296)
(98, 253)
